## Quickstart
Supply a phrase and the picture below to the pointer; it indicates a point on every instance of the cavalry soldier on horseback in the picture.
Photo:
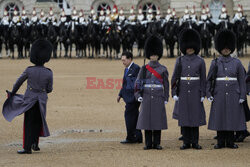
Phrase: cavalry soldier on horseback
(51, 18)
(158, 14)
(169, 15)
(238, 15)
(208, 12)
(24, 18)
(82, 20)
(63, 19)
(193, 16)
(122, 17)
(186, 16)
(114, 16)
(43, 18)
(107, 18)
(16, 20)
(203, 16)
(74, 16)
(93, 17)
(224, 16)
(101, 18)
(140, 16)
(132, 17)
(34, 19)
(6, 19)
(150, 15)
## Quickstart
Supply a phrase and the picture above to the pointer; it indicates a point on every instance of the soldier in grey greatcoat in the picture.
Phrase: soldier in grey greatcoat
(226, 89)
(152, 90)
(33, 102)
(189, 89)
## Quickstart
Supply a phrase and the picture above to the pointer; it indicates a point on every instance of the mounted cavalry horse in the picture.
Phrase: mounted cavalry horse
(171, 36)
(114, 40)
(240, 30)
(63, 40)
(52, 37)
(15, 39)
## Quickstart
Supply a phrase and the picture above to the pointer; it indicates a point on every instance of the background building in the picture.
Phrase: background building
(179, 5)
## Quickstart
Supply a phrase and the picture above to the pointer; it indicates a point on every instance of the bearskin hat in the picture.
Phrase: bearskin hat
(225, 39)
(40, 51)
(189, 38)
(153, 46)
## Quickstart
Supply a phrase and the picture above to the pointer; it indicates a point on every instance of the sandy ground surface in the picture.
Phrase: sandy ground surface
(87, 125)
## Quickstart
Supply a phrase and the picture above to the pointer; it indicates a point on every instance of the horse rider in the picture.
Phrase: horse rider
(63, 19)
(82, 20)
(16, 20)
(24, 18)
(168, 15)
(141, 17)
(34, 19)
(158, 14)
(132, 17)
(122, 17)
(150, 15)
(51, 18)
(238, 15)
(107, 18)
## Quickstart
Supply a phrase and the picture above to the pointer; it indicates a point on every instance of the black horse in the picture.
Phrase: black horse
(206, 39)
(240, 32)
(94, 39)
(128, 39)
(114, 40)
(15, 39)
(170, 36)
(52, 37)
(73, 39)
(25, 38)
(63, 40)
(141, 37)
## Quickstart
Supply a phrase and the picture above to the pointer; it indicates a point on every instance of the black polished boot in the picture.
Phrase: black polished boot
(23, 151)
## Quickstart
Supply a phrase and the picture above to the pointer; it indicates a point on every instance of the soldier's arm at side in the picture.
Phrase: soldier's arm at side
(19, 81)
(241, 80)
(138, 85)
(166, 85)
(203, 78)
(50, 83)
(208, 81)
(174, 78)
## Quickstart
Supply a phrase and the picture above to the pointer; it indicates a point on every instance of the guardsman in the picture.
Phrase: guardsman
(238, 15)
(81, 18)
(114, 16)
(6, 19)
(150, 15)
(203, 16)
(122, 17)
(102, 16)
(158, 14)
(140, 16)
(152, 90)
(132, 17)
(224, 16)
(74, 16)
(189, 89)
(107, 18)
(208, 12)
(24, 17)
(193, 16)
(43, 18)
(226, 89)
(186, 15)
(63, 19)
(34, 19)
(51, 17)
(169, 14)
(16, 20)
(33, 102)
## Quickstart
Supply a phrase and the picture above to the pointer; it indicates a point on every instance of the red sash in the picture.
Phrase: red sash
(155, 73)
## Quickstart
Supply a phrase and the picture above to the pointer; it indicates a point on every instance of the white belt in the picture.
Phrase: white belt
(226, 79)
(152, 86)
(190, 78)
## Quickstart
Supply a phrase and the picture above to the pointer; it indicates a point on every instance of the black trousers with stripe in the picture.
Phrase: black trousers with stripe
(32, 126)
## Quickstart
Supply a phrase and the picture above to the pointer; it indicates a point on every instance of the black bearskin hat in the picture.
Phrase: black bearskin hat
(40, 51)
(153, 46)
(189, 38)
(225, 39)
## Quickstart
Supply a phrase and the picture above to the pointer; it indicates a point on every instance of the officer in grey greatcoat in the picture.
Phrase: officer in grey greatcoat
(226, 89)
(189, 89)
(152, 90)
(33, 102)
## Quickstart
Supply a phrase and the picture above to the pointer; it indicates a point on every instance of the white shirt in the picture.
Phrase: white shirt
(130, 65)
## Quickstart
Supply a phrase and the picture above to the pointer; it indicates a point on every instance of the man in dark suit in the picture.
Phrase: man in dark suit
(127, 93)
